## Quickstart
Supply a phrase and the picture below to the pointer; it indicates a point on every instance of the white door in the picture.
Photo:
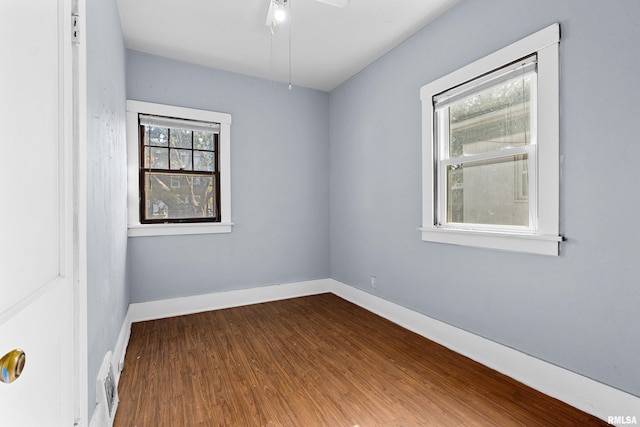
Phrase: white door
(36, 211)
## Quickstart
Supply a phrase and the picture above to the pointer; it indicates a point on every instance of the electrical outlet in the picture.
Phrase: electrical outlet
(373, 281)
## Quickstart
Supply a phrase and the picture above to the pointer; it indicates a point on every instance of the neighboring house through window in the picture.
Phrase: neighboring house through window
(178, 170)
(491, 150)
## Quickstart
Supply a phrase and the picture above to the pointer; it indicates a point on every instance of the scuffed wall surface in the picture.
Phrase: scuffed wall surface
(107, 292)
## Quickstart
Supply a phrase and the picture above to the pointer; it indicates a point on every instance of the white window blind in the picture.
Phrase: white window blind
(173, 123)
(517, 69)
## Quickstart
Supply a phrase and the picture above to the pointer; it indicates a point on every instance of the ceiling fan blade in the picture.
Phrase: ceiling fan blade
(336, 3)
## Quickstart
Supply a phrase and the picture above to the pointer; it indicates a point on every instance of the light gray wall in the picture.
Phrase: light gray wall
(578, 310)
(279, 185)
(107, 293)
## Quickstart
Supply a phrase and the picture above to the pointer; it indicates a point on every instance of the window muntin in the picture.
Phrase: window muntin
(179, 171)
(485, 147)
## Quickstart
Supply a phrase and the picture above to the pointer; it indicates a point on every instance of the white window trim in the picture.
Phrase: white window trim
(545, 239)
(135, 227)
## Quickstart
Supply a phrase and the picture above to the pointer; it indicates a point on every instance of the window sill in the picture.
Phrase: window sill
(527, 243)
(141, 230)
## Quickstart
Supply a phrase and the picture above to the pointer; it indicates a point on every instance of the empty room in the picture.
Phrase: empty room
(321, 213)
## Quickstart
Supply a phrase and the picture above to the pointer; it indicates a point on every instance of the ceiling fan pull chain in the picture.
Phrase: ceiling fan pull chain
(290, 31)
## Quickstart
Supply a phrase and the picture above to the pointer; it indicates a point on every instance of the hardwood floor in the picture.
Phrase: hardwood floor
(314, 361)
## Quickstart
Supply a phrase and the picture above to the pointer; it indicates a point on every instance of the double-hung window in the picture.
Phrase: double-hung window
(178, 170)
(490, 150)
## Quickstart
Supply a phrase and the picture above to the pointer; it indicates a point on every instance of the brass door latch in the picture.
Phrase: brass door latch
(11, 365)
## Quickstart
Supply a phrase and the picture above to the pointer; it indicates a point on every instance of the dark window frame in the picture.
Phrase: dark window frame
(142, 171)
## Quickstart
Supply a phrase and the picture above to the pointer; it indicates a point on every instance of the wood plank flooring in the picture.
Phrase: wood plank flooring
(314, 361)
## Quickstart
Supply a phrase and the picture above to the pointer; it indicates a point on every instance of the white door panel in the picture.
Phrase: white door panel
(36, 218)
(37, 397)
(29, 113)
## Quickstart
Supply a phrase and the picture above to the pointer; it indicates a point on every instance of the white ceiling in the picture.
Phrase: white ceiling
(329, 44)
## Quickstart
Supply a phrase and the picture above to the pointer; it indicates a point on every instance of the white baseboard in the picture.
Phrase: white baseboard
(590, 396)
(187, 305)
(120, 349)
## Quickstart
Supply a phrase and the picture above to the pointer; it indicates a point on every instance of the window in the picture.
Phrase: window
(485, 145)
(178, 170)
(490, 150)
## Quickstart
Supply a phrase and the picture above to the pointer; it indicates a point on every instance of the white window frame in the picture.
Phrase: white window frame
(135, 227)
(544, 237)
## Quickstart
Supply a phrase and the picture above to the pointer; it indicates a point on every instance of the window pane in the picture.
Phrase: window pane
(489, 192)
(154, 135)
(496, 118)
(183, 196)
(180, 138)
(203, 141)
(181, 159)
(203, 161)
(156, 158)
